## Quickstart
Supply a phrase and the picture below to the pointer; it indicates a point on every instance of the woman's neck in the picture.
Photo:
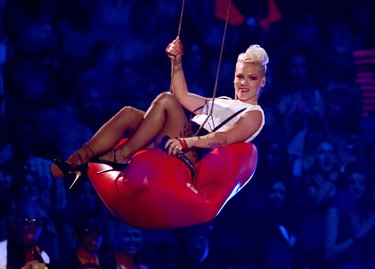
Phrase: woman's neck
(87, 257)
(30, 252)
(125, 261)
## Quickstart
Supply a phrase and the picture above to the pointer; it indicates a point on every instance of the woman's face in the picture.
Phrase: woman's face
(90, 237)
(298, 68)
(130, 240)
(28, 230)
(357, 185)
(326, 157)
(277, 195)
(247, 82)
(274, 156)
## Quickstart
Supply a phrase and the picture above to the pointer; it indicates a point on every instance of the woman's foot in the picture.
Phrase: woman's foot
(60, 168)
(76, 164)
(111, 159)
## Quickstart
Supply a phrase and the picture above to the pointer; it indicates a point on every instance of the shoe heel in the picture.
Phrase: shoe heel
(78, 174)
(61, 169)
(114, 166)
(104, 171)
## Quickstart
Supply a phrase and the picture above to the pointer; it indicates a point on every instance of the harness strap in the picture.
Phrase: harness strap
(228, 119)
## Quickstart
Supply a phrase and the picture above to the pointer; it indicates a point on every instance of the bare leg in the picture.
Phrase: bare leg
(124, 122)
(165, 116)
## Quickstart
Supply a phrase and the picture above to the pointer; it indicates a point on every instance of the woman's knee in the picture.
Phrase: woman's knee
(129, 111)
(165, 99)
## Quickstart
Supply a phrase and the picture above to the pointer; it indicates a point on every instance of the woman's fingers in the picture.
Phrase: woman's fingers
(172, 146)
(175, 48)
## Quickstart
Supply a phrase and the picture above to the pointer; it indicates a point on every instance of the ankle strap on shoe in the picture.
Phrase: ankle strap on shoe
(79, 156)
(115, 154)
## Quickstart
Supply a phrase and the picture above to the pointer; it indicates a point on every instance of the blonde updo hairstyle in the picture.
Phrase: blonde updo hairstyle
(255, 54)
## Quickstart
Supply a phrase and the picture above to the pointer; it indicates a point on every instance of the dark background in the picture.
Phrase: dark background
(67, 66)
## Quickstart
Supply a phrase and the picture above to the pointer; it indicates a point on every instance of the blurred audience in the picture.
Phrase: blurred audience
(275, 230)
(70, 64)
(88, 235)
(313, 192)
(6, 205)
(5, 146)
(83, 202)
(26, 188)
(350, 223)
(194, 247)
(21, 248)
(128, 247)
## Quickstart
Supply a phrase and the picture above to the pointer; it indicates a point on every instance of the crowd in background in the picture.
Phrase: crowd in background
(67, 66)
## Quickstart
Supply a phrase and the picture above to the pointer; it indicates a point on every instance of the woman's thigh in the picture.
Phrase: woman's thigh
(176, 123)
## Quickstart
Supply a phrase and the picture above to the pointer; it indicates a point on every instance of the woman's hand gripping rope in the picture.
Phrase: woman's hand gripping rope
(174, 49)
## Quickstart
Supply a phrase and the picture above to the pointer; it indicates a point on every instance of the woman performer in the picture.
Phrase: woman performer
(166, 117)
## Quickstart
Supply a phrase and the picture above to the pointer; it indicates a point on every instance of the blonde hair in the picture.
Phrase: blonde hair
(255, 54)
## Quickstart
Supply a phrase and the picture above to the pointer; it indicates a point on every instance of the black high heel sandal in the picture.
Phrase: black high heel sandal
(60, 168)
(115, 166)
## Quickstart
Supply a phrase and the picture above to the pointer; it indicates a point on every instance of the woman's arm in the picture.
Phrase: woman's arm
(332, 247)
(190, 101)
(320, 189)
(244, 128)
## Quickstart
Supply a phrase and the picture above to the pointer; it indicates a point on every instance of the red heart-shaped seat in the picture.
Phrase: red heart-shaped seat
(156, 191)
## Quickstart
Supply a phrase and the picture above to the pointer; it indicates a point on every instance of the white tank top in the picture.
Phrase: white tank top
(224, 107)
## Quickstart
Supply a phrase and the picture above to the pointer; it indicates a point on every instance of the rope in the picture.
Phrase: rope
(218, 69)
(219, 63)
(181, 16)
(178, 34)
(221, 55)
